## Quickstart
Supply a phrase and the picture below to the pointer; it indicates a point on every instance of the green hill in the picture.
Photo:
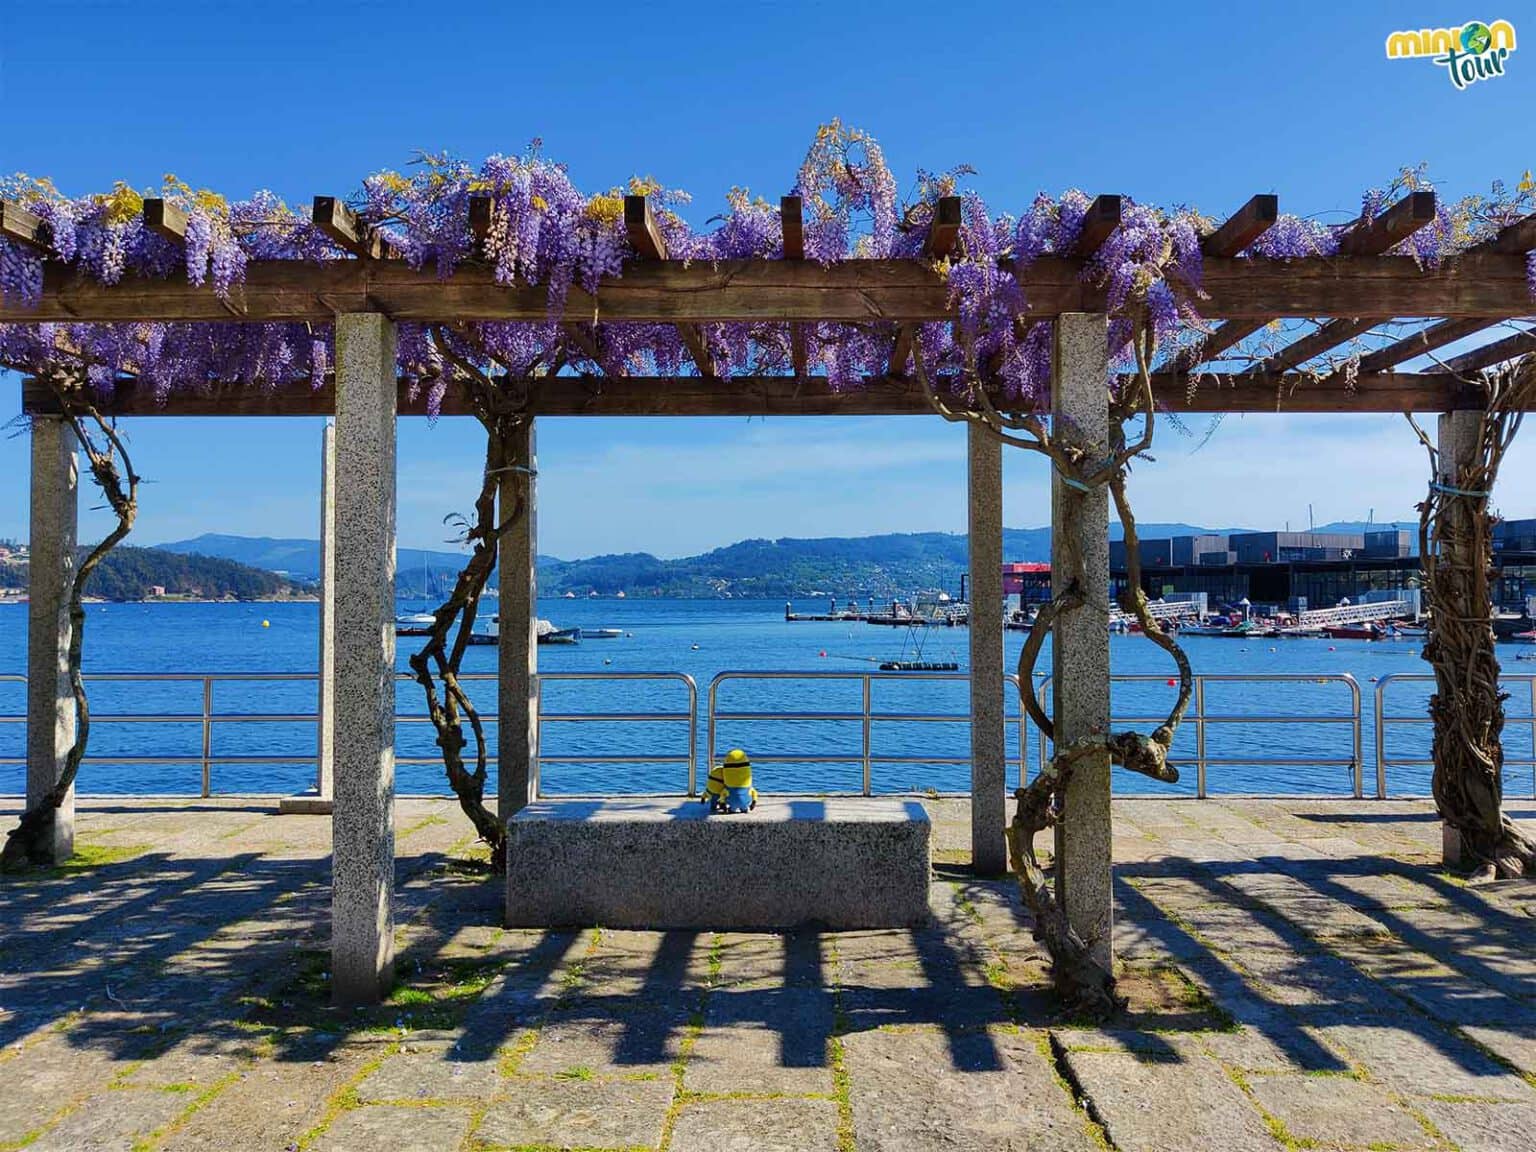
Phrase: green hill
(130, 574)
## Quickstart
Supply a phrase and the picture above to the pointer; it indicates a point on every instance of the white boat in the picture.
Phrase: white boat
(570, 595)
(544, 632)
(601, 633)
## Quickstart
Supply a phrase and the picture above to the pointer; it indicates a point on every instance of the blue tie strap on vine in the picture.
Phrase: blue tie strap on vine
(1450, 490)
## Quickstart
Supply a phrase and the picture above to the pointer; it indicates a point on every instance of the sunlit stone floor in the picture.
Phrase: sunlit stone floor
(1300, 974)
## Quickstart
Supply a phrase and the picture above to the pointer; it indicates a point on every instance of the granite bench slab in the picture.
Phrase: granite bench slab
(661, 862)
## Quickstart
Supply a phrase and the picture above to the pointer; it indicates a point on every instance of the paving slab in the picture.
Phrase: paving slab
(763, 1042)
(1418, 1059)
(1338, 1110)
(113, 1121)
(1156, 1105)
(580, 1114)
(430, 1072)
(756, 1126)
(1483, 1127)
(578, 1044)
(917, 1090)
(400, 1129)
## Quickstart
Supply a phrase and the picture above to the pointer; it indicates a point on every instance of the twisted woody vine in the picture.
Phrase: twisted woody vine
(522, 216)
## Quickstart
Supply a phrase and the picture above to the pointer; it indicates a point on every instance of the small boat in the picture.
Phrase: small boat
(547, 633)
(570, 595)
(601, 633)
(919, 666)
(1366, 631)
(1524, 637)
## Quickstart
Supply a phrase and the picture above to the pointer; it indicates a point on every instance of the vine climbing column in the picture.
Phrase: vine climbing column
(363, 822)
(989, 762)
(50, 701)
(517, 730)
(1080, 641)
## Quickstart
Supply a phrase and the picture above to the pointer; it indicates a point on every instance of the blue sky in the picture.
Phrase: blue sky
(1198, 103)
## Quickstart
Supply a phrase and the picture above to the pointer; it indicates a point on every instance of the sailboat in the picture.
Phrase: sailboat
(418, 623)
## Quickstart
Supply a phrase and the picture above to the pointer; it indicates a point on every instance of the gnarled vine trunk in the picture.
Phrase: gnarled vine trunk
(1467, 707)
(30, 843)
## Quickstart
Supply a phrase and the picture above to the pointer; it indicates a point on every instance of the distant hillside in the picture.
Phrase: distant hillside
(886, 565)
(129, 574)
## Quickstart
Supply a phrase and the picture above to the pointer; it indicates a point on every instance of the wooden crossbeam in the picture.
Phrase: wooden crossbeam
(587, 395)
(1103, 218)
(165, 219)
(1517, 237)
(23, 226)
(1420, 343)
(943, 235)
(342, 226)
(1243, 227)
(1489, 354)
(792, 219)
(1390, 228)
(1329, 335)
(1474, 284)
(1231, 333)
(646, 239)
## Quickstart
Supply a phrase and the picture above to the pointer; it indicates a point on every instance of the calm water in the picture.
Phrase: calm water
(704, 638)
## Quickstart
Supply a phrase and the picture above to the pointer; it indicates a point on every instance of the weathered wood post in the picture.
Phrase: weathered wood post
(1456, 438)
(319, 801)
(989, 762)
(363, 725)
(50, 700)
(517, 699)
(1080, 641)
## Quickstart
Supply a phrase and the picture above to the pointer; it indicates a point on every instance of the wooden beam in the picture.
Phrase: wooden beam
(1489, 354)
(1103, 218)
(1517, 237)
(1475, 284)
(1243, 227)
(22, 226)
(1421, 342)
(480, 207)
(943, 235)
(1389, 228)
(792, 217)
(646, 239)
(786, 396)
(1329, 335)
(342, 226)
(165, 219)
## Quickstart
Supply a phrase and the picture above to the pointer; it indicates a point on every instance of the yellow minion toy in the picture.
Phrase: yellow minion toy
(729, 787)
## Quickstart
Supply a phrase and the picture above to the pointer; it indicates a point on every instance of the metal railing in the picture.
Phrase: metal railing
(866, 717)
(207, 719)
(1383, 761)
(1201, 719)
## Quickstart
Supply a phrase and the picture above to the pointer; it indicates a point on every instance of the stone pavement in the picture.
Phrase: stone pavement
(1300, 973)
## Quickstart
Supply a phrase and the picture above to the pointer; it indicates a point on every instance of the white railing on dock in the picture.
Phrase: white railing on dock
(1384, 721)
(1201, 719)
(207, 718)
(867, 717)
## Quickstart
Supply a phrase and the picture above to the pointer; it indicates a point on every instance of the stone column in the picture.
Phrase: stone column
(989, 760)
(319, 801)
(1080, 642)
(517, 691)
(50, 702)
(1456, 437)
(363, 728)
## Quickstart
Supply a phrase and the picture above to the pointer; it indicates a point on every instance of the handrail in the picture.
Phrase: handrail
(1383, 761)
(207, 718)
(866, 716)
(1200, 718)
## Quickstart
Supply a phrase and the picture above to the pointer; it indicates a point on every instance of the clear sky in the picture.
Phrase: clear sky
(1199, 103)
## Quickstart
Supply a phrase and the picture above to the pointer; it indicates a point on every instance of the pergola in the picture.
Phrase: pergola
(366, 295)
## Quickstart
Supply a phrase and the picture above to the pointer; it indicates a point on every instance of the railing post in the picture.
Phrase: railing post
(693, 734)
(1080, 639)
(868, 723)
(1381, 737)
(1200, 778)
(207, 737)
(1532, 683)
(50, 700)
(363, 821)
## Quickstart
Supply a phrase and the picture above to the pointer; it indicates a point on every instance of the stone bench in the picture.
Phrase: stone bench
(831, 862)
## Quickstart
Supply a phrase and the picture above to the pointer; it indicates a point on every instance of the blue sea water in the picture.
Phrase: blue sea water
(704, 639)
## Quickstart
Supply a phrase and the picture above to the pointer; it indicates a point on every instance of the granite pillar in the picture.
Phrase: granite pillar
(1080, 642)
(517, 691)
(989, 760)
(50, 701)
(362, 720)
